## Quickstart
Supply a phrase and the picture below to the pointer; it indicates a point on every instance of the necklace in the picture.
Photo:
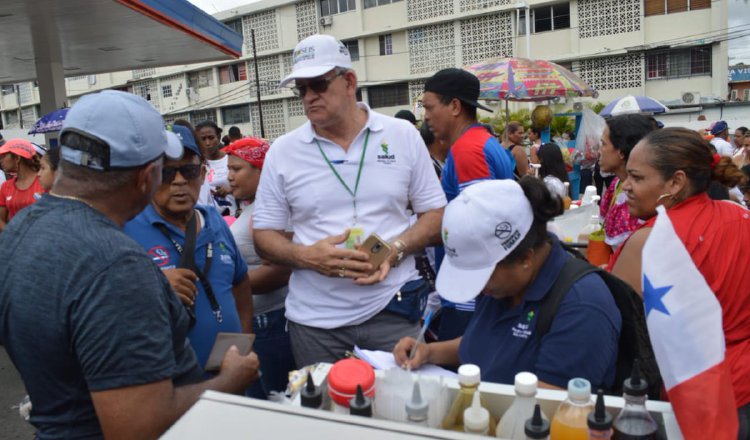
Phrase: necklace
(73, 198)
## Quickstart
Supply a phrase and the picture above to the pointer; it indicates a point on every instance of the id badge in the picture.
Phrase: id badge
(356, 237)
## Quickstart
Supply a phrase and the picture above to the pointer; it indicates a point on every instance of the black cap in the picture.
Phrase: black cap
(599, 419)
(311, 396)
(407, 116)
(360, 405)
(536, 426)
(635, 385)
(456, 83)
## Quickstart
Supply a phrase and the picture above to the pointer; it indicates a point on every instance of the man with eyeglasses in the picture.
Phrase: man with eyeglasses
(212, 283)
(91, 324)
(347, 173)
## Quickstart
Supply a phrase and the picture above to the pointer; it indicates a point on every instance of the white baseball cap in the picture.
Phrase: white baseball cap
(481, 226)
(315, 56)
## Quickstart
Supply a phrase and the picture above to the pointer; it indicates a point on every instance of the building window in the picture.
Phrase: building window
(661, 7)
(546, 18)
(353, 47)
(330, 7)
(373, 3)
(166, 91)
(679, 63)
(733, 95)
(200, 79)
(232, 73)
(239, 114)
(7, 89)
(746, 95)
(235, 25)
(386, 44)
(388, 96)
(199, 116)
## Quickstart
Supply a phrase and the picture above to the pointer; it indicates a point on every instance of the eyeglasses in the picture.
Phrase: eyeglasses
(318, 85)
(189, 172)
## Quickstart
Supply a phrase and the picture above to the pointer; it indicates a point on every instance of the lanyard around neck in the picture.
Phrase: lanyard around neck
(359, 172)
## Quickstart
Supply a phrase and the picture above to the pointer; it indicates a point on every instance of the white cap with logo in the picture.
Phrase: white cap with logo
(317, 55)
(481, 227)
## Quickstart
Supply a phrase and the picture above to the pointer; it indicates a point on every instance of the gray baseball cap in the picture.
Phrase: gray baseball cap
(131, 128)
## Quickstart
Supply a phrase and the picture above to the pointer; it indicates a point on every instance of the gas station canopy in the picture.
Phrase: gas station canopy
(95, 36)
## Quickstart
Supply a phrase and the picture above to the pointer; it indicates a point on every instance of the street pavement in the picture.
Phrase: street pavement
(12, 426)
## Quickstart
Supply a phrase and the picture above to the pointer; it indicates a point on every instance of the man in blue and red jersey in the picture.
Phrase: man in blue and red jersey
(450, 104)
(450, 109)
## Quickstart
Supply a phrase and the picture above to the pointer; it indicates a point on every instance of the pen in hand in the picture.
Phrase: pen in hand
(420, 340)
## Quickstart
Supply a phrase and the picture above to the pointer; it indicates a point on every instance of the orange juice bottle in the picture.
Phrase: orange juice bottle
(571, 419)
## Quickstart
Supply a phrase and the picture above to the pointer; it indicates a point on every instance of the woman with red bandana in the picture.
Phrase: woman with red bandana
(18, 156)
(268, 281)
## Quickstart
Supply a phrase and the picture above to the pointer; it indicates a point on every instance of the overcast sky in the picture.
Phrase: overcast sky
(739, 21)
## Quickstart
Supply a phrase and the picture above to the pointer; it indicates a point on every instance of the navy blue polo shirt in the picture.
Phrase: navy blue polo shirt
(582, 341)
(227, 269)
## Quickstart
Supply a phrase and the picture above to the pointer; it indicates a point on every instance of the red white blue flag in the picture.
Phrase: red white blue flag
(685, 326)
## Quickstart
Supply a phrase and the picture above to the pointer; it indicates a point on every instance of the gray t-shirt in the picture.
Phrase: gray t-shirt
(83, 308)
(242, 229)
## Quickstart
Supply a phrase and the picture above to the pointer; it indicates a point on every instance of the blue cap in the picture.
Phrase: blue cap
(186, 138)
(719, 127)
(132, 129)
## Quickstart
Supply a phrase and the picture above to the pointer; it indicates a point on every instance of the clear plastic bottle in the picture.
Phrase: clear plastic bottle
(592, 226)
(569, 421)
(600, 421)
(536, 428)
(566, 199)
(468, 379)
(634, 421)
(417, 408)
(512, 423)
(476, 418)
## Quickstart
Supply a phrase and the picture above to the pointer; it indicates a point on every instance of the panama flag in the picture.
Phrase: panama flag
(684, 324)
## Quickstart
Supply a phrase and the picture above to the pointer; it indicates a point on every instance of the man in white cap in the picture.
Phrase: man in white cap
(95, 330)
(347, 173)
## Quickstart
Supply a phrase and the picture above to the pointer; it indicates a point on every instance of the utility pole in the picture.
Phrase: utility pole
(257, 85)
(18, 104)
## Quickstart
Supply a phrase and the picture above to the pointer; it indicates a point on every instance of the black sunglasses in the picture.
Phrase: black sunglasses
(189, 172)
(317, 85)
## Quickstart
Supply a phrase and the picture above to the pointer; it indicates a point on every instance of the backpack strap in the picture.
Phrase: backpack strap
(573, 270)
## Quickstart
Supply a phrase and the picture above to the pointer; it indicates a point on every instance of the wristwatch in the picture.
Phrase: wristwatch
(400, 251)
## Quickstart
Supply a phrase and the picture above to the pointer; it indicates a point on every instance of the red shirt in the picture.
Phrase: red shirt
(14, 199)
(716, 234)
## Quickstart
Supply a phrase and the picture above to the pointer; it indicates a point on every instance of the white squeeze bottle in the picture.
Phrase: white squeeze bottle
(590, 228)
(476, 418)
(512, 424)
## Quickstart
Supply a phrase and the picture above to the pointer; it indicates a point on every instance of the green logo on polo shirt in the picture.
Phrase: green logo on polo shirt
(530, 316)
(386, 158)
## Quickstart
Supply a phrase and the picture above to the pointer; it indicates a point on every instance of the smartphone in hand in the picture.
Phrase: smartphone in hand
(378, 249)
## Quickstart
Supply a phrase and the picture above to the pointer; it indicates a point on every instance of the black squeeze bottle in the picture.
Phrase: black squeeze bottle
(599, 420)
(634, 421)
(536, 427)
(311, 396)
(360, 405)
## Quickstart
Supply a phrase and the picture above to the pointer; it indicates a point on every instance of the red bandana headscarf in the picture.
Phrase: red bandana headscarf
(250, 149)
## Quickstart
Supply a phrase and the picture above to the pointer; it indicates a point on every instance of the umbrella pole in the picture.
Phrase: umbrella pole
(507, 120)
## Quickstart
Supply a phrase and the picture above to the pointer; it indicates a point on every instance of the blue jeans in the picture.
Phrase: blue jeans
(274, 351)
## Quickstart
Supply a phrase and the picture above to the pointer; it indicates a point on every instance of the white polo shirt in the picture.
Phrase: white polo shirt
(298, 188)
(723, 147)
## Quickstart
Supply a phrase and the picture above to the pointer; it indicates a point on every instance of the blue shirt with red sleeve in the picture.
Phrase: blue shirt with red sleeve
(475, 156)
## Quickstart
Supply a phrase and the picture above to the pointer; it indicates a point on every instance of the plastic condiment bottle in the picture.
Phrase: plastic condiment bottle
(417, 408)
(536, 428)
(360, 405)
(311, 396)
(512, 423)
(634, 421)
(476, 418)
(567, 200)
(468, 380)
(569, 422)
(592, 226)
(600, 421)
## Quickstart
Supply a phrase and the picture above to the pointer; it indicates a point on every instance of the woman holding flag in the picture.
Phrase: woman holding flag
(673, 168)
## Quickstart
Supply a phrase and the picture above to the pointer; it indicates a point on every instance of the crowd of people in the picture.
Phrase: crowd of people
(128, 249)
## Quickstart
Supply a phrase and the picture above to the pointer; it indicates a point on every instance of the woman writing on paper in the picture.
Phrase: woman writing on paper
(498, 250)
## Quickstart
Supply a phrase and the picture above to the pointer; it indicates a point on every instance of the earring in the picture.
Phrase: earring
(663, 196)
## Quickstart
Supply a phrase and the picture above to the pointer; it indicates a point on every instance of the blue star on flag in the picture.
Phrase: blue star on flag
(652, 296)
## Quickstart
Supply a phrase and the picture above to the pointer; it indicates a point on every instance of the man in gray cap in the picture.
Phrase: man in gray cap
(87, 318)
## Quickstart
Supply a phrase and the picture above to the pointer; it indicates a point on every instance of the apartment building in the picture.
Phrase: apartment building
(672, 50)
